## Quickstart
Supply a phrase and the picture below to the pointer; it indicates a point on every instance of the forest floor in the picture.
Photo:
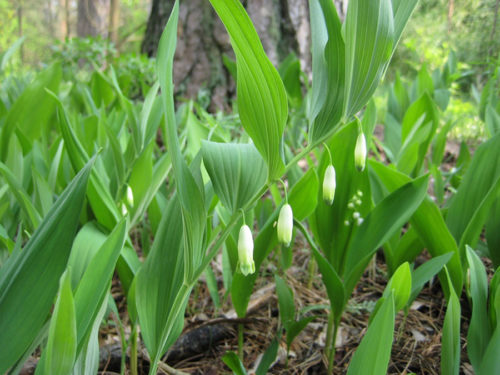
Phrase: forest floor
(208, 333)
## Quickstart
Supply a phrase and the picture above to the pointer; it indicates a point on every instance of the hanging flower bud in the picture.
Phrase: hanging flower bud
(245, 251)
(130, 196)
(329, 185)
(285, 225)
(360, 152)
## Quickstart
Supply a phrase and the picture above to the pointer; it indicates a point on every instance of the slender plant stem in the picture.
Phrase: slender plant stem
(133, 351)
(333, 340)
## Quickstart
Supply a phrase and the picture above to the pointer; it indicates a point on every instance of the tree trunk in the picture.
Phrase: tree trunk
(20, 28)
(91, 18)
(283, 26)
(451, 10)
(114, 17)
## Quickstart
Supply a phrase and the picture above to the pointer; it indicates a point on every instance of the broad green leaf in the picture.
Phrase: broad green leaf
(262, 99)
(237, 172)
(426, 271)
(400, 285)
(190, 194)
(85, 245)
(290, 73)
(428, 222)
(418, 128)
(492, 121)
(285, 300)
(268, 358)
(493, 234)
(87, 361)
(470, 206)
(440, 143)
(304, 195)
(328, 222)
(32, 111)
(295, 327)
(33, 274)
(328, 59)
(408, 248)
(232, 361)
(385, 219)
(333, 284)
(22, 197)
(450, 352)
(373, 353)
(369, 43)
(93, 286)
(60, 352)
(402, 10)
(99, 196)
(10, 52)
(479, 333)
(160, 278)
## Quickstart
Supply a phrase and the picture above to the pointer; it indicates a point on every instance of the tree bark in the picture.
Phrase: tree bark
(283, 26)
(20, 28)
(91, 18)
(114, 17)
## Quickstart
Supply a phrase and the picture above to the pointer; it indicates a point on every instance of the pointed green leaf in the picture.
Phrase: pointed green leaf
(369, 39)
(237, 172)
(33, 274)
(385, 219)
(61, 345)
(262, 99)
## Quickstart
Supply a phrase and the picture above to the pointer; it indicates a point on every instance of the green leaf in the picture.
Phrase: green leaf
(33, 274)
(22, 197)
(419, 127)
(450, 353)
(493, 234)
(32, 111)
(402, 10)
(426, 271)
(268, 358)
(232, 361)
(400, 285)
(61, 345)
(428, 222)
(328, 59)
(294, 329)
(190, 194)
(369, 39)
(237, 172)
(479, 332)
(470, 206)
(328, 222)
(304, 195)
(373, 353)
(160, 278)
(385, 219)
(262, 99)
(285, 300)
(93, 286)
